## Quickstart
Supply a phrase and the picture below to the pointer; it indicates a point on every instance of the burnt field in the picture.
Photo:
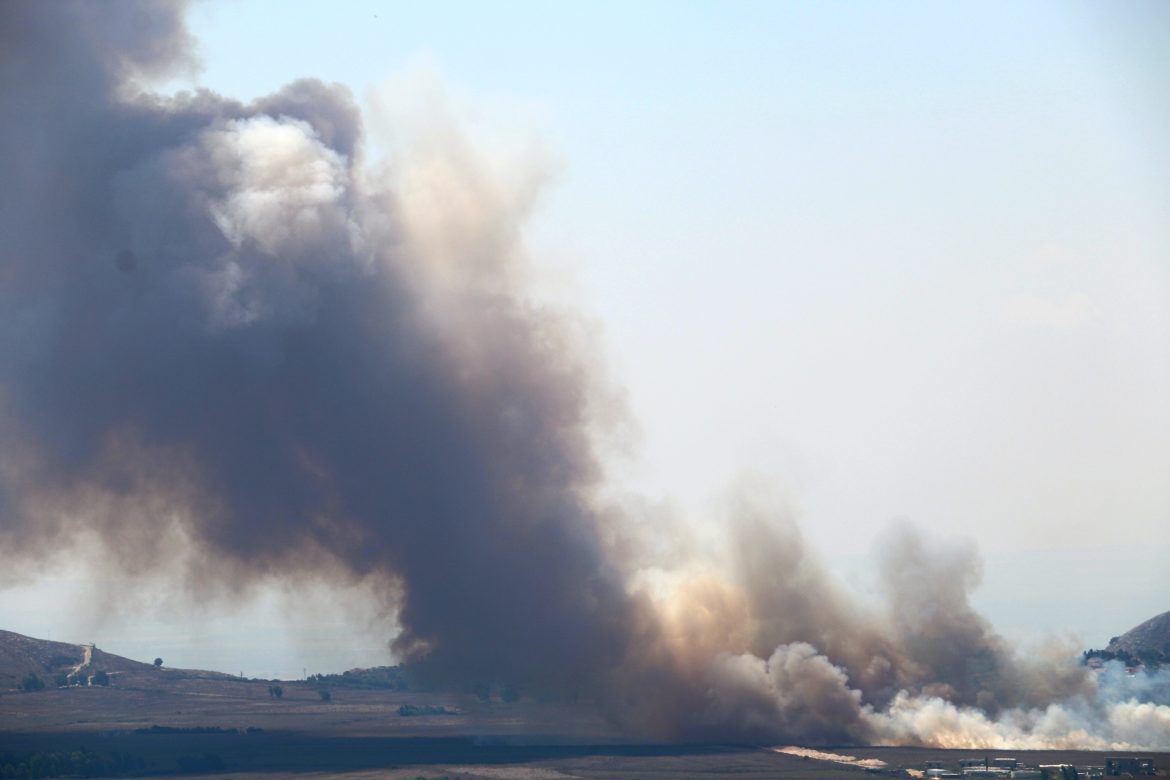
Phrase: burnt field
(153, 724)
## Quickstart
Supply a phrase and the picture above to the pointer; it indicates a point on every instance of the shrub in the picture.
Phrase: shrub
(32, 683)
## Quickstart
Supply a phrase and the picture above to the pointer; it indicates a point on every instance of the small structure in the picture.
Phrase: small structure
(1115, 766)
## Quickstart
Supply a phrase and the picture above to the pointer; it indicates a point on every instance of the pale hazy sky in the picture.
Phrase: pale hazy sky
(897, 260)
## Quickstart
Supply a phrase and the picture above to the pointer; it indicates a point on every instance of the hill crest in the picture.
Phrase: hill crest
(1149, 638)
(56, 662)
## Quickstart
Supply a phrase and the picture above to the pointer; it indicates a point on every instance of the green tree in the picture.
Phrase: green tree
(101, 678)
(158, 663)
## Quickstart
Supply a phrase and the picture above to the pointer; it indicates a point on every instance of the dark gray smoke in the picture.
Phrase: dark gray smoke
(229, 350)
(207, 321)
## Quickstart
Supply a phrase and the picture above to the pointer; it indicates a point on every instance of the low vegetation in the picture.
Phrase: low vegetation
(187, 730)
(76, 763)
(379, 677)
(416, 710)
(1150, 659)
(204, 762)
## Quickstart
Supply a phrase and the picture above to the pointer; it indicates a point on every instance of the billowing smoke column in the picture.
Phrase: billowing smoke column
(228, 348)
(209, 321)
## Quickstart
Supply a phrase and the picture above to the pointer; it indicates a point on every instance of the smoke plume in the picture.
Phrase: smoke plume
(232, 350)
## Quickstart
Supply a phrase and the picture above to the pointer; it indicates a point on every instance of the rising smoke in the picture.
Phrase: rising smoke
(230, 347)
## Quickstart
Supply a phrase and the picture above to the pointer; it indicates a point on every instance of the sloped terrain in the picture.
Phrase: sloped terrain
(1151, 638)
(21, 655)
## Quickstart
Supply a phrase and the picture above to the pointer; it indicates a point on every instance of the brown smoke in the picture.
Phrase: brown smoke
(229, 348)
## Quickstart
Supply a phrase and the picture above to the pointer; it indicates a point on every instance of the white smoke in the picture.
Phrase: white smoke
(799, 693)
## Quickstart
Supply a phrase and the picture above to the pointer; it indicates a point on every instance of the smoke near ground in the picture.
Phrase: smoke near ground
(232, 351)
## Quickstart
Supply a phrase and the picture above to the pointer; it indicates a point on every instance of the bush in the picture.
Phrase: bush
(32, 683)
(325, 695)
(101, 678)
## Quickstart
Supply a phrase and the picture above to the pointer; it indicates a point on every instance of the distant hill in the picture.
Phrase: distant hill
(1149, 641)
(55, 662)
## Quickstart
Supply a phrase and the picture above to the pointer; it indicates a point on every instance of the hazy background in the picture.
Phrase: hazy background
(894, 261)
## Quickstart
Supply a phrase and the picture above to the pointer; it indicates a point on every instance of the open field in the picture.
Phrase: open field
(225, 727)
(141, 701)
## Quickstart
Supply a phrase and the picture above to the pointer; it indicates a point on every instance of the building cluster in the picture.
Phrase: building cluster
(1122, 766)
(1133, 666)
